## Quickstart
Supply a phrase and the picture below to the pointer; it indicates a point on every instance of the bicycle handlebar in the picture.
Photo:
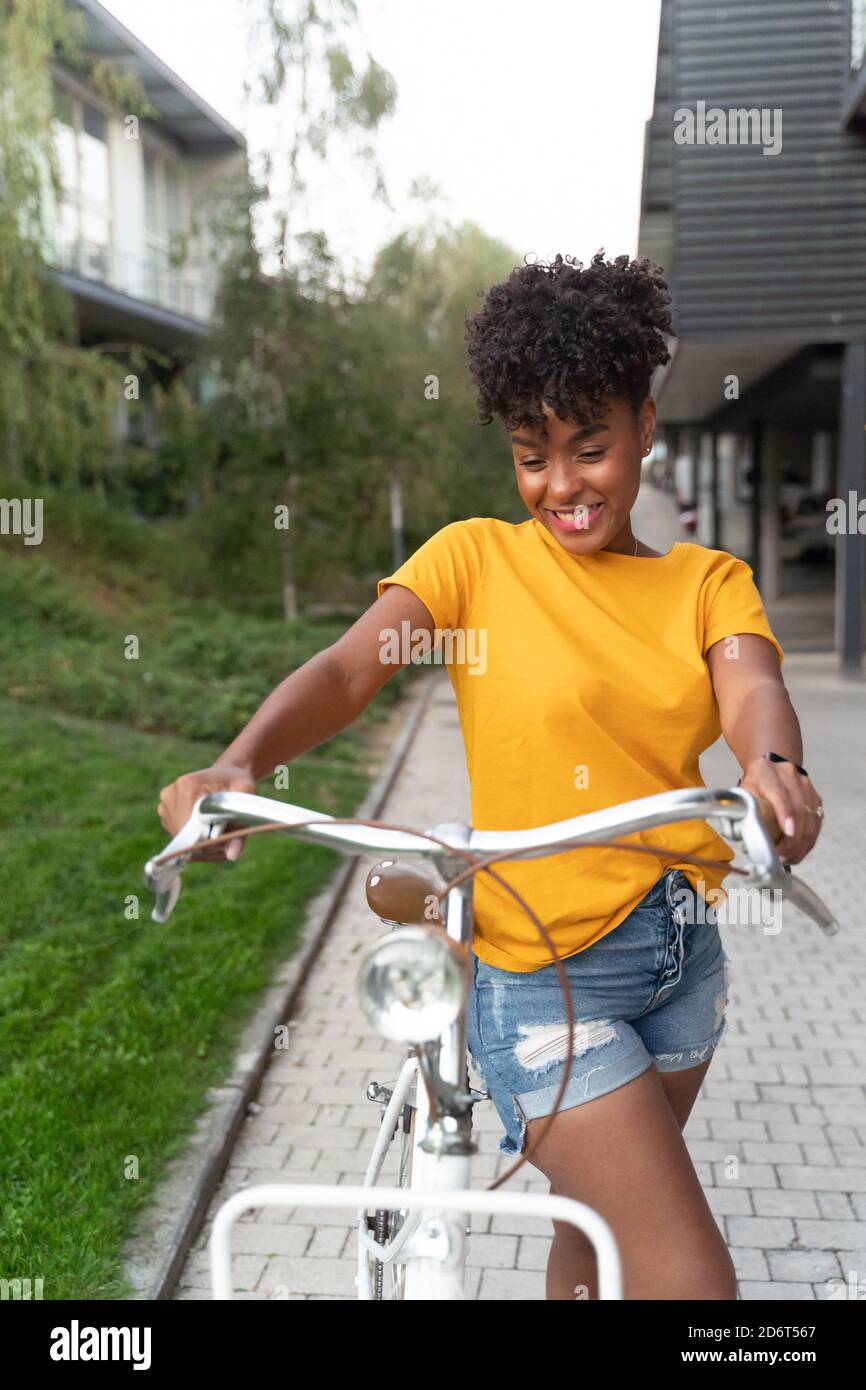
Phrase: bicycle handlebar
(742, 817)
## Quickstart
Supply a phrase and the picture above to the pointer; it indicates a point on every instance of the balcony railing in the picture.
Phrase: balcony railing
(186, 290)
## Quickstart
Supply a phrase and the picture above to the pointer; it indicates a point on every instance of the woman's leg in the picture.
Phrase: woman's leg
(624, 1155)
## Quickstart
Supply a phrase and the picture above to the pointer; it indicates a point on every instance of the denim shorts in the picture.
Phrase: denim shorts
(652, 990)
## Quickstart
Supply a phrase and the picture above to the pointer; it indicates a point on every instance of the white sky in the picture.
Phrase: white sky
(529, 117)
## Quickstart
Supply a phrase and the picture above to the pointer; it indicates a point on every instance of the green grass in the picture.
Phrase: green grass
(113, 1028)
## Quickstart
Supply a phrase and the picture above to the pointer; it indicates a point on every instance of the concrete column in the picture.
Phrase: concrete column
(851, 546)
(734, 460)
(704, 534)
(715, 507)
(127, 210)
(756, 472)
(726, 489)
(685, 464)
(771, 550)
(823, 463)
(728, 449)
(672, 445)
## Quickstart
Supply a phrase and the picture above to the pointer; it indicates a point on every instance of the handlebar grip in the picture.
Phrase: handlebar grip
(768, 816)
(165, 901)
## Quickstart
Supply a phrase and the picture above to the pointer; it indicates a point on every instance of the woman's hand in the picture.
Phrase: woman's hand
(177, 800)
(793, 798)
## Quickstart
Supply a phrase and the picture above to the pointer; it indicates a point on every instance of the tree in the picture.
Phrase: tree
(310, 66)
(56, 399)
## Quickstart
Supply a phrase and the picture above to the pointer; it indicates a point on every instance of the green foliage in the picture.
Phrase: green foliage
(55, 398)
(326, 391)
(161, 480)
(201, 670)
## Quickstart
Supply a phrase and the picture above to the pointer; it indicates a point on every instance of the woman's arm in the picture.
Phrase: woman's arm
(757, 717)
(315, 702)
(329, 691)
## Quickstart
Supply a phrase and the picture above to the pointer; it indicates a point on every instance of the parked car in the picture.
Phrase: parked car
(688, 511)
(804, 527)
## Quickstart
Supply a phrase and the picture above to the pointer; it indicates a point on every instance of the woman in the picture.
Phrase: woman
(607, 669)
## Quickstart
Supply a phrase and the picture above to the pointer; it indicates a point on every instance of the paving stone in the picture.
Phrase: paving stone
(811, 1176)
(774, 1292)
(492, 1251)
(533, 1252)
(838, 1206)
(831, 1234)
(805, 1265)
(520, 1285)
(293, 1274)
(749, 1263)
(730, 1201)
(271, 1238)
(785, 1094)
(767, 1232)
(328, 1242)
(782, 1202)
(246, 1269)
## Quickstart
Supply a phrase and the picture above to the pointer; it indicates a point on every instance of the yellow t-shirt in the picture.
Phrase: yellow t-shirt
(581, 682)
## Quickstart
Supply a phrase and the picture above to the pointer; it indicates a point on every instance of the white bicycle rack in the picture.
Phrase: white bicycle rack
(435, 1206)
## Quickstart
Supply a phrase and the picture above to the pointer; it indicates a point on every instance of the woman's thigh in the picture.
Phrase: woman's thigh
(647, 1000)
(624, 1155)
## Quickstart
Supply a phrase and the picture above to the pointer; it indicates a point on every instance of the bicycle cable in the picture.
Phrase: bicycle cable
(476, 863)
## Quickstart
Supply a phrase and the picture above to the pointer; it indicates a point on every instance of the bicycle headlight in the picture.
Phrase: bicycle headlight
(413, 983)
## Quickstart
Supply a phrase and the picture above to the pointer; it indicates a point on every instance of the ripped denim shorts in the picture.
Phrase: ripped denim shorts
(653, 990)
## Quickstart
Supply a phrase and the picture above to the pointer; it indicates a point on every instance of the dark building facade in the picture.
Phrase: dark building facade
(754, 202)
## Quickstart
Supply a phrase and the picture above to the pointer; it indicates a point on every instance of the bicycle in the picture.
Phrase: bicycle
(414, 984)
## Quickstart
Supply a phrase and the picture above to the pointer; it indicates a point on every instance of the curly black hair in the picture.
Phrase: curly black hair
(570, 336)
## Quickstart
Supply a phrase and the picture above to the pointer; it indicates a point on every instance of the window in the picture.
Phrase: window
(858, 32)
(83, 233)
(166, 219)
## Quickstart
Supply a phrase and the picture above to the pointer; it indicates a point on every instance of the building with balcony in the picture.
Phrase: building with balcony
(131, 238)
(754, 203)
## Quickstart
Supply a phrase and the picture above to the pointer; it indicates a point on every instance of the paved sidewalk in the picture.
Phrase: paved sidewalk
(785, 1095)
(782, 1108)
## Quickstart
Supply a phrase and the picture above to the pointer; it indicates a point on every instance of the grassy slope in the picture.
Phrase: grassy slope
(112, 1027)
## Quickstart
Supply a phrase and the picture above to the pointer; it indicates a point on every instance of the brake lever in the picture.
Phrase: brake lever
(803, 897)
(749, 831)
(768, 871)
(164, 880)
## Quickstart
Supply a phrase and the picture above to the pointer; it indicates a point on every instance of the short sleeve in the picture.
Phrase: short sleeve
(444, 572)
(732, 604)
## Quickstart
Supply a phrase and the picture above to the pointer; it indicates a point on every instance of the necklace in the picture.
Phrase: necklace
(635, 549)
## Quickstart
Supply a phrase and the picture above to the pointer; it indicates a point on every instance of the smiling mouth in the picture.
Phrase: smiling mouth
(577, 518)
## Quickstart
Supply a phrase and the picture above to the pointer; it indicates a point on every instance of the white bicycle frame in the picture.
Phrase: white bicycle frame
(431, 1242)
